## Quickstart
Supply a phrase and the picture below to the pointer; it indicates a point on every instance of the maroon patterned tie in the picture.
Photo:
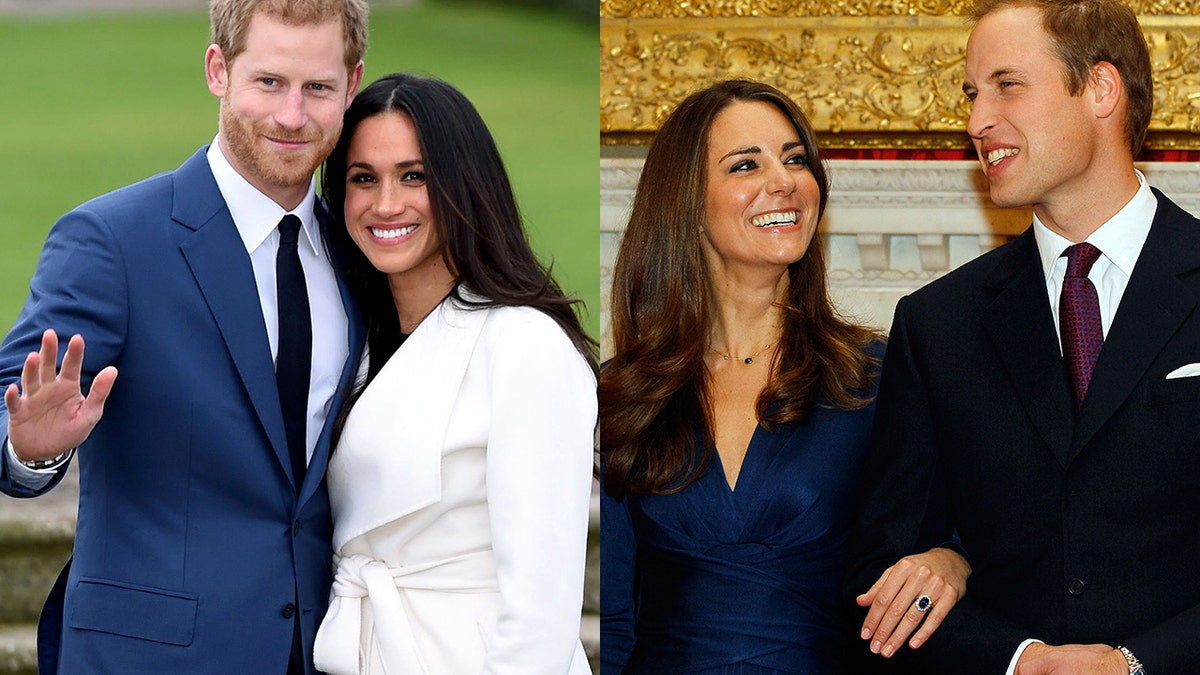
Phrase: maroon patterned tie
(1079, 319)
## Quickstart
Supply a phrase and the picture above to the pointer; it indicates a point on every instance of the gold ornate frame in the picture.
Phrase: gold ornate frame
(872, 74)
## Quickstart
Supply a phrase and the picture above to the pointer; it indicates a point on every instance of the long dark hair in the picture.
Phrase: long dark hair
(473, 207)
(654, 392)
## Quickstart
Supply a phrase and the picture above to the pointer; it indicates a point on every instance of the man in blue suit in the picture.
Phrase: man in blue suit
(203, 540)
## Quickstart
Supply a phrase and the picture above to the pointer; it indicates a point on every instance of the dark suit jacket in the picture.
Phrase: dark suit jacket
(1078, 530)
(192, 542)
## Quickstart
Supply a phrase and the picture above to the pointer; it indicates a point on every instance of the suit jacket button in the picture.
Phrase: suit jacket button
(1076, 587)
(288, 610)
(296, 528)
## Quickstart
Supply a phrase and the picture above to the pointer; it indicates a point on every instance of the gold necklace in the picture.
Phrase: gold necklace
(748, 360)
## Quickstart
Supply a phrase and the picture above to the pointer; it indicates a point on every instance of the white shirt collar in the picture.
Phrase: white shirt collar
(255, 214)
(1120, 239)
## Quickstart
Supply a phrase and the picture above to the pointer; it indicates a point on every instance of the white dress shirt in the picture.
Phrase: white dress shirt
(1120, 241)
(257, 218)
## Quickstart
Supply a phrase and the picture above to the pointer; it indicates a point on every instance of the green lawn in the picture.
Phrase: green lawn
(94, 102)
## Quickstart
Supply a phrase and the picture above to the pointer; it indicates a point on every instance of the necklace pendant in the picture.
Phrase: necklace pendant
(746, 360)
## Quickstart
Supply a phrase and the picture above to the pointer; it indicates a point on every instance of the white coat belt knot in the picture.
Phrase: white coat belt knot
(339, 640)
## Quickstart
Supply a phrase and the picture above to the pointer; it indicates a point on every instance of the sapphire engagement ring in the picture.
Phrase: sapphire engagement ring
(923, 604)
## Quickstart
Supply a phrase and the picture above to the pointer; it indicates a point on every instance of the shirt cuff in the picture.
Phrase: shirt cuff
(1012, 665)
(34, 479)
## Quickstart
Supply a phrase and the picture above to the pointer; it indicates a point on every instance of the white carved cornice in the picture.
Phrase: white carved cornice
(890, 226)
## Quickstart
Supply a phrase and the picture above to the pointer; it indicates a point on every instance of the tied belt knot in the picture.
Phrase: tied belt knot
(337, 646)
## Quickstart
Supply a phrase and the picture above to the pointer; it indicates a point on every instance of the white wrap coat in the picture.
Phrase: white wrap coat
(460, 493)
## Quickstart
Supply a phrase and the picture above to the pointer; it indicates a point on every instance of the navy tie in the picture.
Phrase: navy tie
(1079, 319)
(293, 363)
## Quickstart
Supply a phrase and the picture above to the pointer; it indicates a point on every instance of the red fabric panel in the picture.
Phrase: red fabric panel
(969, 154)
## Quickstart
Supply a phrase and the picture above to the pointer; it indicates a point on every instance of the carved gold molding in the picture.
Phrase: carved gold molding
(618, 9)
(867, 81)
(624, 9)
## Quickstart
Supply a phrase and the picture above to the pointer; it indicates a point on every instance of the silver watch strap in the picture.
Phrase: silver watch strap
(42, 464)
(1135, 665)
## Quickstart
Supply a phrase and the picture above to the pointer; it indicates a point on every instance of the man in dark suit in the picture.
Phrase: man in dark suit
(1042, 402)
(203, 539)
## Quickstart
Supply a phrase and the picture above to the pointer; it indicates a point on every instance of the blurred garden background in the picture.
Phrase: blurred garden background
(98, 95)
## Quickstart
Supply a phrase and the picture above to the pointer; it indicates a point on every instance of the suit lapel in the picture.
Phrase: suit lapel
(1154, 305)
(1021, 327)
(219, 262)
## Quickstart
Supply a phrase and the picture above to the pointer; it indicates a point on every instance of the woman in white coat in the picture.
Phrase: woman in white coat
(460, 482)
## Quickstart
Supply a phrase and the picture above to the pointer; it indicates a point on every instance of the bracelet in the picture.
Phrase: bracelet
(1135, 666)
(42, 464)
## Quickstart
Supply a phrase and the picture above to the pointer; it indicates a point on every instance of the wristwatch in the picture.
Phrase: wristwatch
(1135, 666)
(42, 464)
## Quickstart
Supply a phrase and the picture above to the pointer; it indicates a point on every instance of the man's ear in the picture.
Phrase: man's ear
(215, 71)
(1106, 89)
(353, 82)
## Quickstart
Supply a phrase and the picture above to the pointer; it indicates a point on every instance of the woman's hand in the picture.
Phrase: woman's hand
(936, 578)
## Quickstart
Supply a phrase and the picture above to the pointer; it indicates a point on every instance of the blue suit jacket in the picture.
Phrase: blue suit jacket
(192, 542)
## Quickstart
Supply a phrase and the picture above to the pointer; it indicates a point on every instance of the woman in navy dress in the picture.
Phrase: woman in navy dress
(736, 410)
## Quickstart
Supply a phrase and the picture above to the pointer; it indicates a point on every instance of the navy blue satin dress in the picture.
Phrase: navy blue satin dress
(731, 582)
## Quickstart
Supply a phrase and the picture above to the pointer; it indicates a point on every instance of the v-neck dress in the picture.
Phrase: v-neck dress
(727, 581)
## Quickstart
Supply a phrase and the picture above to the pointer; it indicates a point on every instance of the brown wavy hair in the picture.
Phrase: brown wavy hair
(654, 404)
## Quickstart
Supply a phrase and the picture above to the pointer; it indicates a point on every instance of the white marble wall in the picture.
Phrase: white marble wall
(890, 226)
